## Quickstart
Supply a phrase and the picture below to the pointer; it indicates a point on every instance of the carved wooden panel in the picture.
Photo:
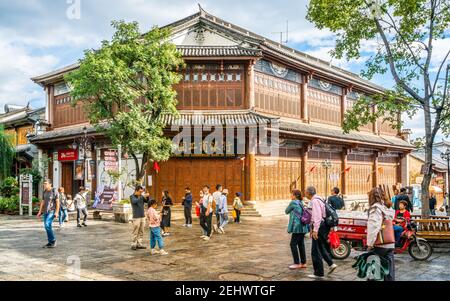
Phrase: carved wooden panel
(276, 177)
(316, 176)
(324, 107)
(277, 96)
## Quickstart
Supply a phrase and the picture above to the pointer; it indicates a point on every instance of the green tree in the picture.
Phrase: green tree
(126, 86)
(7, 152)
(404, 34)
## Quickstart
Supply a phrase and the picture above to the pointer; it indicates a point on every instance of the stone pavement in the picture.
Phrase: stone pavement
(257, 249)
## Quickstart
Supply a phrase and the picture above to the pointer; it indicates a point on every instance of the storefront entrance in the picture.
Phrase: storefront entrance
(67, 177)
(178, 173)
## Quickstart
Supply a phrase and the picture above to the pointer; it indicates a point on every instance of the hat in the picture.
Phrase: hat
(239, 194)
(225, 191)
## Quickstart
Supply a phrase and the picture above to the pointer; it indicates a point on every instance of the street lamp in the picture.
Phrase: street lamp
(446, 157)
(327, 165)
(84, 144)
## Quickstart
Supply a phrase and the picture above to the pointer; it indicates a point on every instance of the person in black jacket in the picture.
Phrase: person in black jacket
(402, 196)
(335, 200)
(187, 203)
(137, 199)
(432, 204)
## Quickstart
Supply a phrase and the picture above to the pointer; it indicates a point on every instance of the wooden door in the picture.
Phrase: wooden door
(67, 178)
(179, 173)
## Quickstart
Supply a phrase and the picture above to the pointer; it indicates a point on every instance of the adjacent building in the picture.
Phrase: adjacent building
(242, 82)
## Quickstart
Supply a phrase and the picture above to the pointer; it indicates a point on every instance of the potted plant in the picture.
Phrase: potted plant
(122, 211)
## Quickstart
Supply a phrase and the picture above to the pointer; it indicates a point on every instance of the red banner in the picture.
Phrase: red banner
(67, 155)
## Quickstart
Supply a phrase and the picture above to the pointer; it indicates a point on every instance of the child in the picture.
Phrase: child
(154, 221)
(237, 206)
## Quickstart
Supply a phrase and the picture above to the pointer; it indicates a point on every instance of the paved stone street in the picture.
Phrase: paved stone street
(258, 249)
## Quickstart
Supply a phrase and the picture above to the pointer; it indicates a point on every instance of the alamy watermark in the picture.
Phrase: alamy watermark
(73, 271)
(73, 11)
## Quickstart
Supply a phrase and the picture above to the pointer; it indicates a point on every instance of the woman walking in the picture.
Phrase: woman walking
(298, 230)
(237, 206)
(63, 207)
(166, 212)
(378, 213)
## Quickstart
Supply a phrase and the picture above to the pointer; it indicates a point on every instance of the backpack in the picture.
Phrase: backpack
(306, 215)
(331, 217)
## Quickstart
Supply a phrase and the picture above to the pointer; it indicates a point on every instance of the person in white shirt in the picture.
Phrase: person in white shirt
(216, 198)
(206, 213)
(81, 206)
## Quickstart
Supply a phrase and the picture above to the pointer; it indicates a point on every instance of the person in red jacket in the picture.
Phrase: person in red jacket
(401, 221)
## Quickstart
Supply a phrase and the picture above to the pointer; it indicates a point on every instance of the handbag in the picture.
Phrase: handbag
(197, 211)
(233, 213)
(386, 234)
(306, 215)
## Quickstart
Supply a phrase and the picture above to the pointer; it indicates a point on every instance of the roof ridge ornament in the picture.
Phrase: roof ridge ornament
(202, 11)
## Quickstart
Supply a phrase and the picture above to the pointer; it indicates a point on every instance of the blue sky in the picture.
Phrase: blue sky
(38, 36)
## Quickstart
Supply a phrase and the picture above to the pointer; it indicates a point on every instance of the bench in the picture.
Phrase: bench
(433, 229)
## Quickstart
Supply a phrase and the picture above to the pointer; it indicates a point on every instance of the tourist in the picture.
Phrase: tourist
(446, 201)
(223, 211)
(394, 198)
(377, 213)
(81, 205)
(206, 213)
(335, 200)
(401, 220)
(49, 208)
(237, 207)
(63, 207)
(137, 200)
(216, 198)
(402, 196)
(187, 204)
(320, 249)
(154, 222)
(297, 230)
(432, 204)
(166, 213)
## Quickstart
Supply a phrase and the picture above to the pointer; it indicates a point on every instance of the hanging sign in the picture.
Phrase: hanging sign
(67, 155)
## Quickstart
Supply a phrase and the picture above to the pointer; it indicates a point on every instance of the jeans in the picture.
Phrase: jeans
(206, 223)
(155, 237)
(85, 214)
(387, 254)
(48, 222)
(223, 220)
(62, 216)
(218, 219)
(320, 250)
(398, 230)
(188, 215)
(298, 245)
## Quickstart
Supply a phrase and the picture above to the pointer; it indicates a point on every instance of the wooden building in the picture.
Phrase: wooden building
(237, 79)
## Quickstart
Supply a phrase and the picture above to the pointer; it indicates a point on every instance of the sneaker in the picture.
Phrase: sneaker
(61, 226)
(52, 245)
(203, 236)
(134, 248)
(163, 253)
(189, 226)
(79, 226)
(294, 266)
(332, 268)
(316, 277)
(84, 224)
(221, 230)
(47, 245)
(141, 247)
(206, 238)
(185, 225)
(154, 252)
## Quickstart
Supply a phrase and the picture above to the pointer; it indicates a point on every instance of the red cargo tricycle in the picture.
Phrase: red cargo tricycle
(353, 235)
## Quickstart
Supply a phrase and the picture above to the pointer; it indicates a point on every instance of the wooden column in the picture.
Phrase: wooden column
(304, 163)
(51, 106)
(344, 156)
(250, 91)
(304, 97)
(252, 177)
(375, 170)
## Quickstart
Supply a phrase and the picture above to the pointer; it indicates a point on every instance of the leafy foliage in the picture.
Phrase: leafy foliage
(401, 36)
(9, 187)
(127, 85)
(8, 153)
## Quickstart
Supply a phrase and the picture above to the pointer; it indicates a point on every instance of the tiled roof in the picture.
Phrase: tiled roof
(331, 133)
(439, 163)
(62, 133)
(193, 51)
(232, 118)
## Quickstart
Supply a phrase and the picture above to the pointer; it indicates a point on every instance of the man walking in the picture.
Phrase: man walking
(335, 200)
(432, 203)
(49, 208)
(81, 205)
(216, 199)
(187, 203)
(320, 249)
(206, 213)
(137, 204)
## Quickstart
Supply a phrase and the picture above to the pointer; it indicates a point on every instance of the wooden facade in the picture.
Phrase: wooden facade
(236, 73)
